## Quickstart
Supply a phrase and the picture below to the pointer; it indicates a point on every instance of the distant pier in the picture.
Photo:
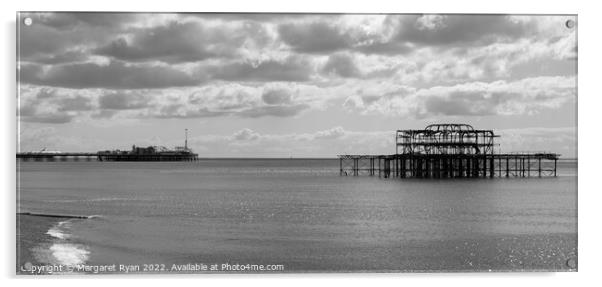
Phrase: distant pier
(448, 151)
(106, 156)
(150, 153)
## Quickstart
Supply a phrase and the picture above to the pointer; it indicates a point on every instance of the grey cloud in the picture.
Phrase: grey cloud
(293, 69)
(245, 135)
(183, 42)
(276, 111)
(385, 48)
(333, 133)
(52, 36)
(77, 103)
(258, 17)
(462, 30)
(26, 110)
(177, 111)
(123, 101)
(58, 118)
(61, 58)
(104, 114)
(341, 65)
(276, 97)
(115, 75)
(71, 20)
(39, 40)
(410, 32)
(315, 37)
(468, 103)
(45, 93)
(173, 43)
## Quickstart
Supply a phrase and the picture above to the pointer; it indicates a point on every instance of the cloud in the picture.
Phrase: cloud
(231, 99)
(45, 93)
(276, 97)
(64, 36)
(245, 135)
(441, 30)
(115, 75)
(54, 118)
(50, 105)
(539, 139)
(276, 111)
(178, 42)
(500, 97)
(77, 103)
(315, 37)
(123, 101)
(341, 65)
(332, 133)
(326, 143)
(525, 96)
(292, 69)
(72, 20)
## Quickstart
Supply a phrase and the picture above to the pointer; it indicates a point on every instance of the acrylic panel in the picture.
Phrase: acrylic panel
(295, 143)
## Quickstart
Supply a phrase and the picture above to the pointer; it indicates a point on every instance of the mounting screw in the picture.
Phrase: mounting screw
(28, 21)
(570, 24)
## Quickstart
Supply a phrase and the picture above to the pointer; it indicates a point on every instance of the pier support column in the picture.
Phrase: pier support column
(516, 166)
(522, 167)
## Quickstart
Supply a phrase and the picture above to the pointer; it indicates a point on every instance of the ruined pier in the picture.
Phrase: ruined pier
(449, 151)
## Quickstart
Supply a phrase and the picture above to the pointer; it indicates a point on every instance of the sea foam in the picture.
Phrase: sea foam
(63, 251)
(69, 254)
(59, 230)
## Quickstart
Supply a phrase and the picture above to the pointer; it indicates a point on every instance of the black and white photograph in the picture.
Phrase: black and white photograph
(268, 143)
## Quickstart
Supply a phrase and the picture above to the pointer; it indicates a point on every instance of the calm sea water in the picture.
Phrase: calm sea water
(295, 212)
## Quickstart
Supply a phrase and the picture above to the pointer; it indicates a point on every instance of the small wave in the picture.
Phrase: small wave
(69, 254)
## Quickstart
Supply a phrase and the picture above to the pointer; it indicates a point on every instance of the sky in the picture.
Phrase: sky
(300, 85)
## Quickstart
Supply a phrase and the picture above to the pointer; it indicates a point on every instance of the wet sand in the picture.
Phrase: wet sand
(31, 234)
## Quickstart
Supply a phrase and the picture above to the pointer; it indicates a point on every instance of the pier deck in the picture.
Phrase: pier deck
(105, 156)
(450, 166)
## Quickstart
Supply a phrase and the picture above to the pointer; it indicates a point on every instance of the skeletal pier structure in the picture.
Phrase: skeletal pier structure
(448, 151)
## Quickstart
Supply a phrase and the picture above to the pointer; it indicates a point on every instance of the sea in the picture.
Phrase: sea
(289, 215)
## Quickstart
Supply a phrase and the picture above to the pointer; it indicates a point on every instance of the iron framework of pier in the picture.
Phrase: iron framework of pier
(448, 151)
